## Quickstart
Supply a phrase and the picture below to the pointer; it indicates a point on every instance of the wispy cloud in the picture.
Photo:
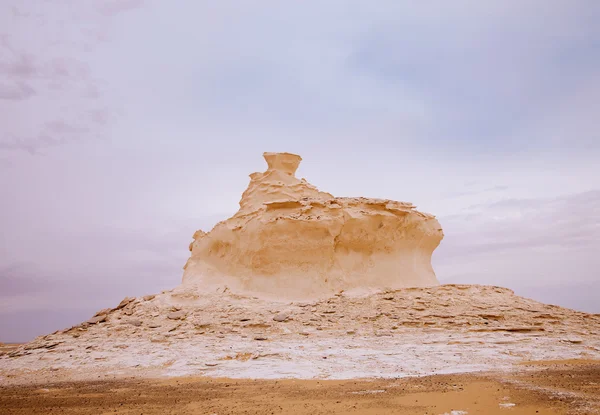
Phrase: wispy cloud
(22, 278)
(524, 241)
(52, 133)
(49, 93)
(114, 7)
(498, 188)
(16, 91)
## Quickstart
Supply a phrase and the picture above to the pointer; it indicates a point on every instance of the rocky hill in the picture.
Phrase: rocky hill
(416, 331)
(301, 284)
(291, 241)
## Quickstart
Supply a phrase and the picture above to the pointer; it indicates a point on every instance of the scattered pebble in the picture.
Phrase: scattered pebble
(176, 315)
(281, 317)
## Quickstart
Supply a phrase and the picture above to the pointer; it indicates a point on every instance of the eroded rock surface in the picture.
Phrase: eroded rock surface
(414, 331)
(301, 284)
(291, 241)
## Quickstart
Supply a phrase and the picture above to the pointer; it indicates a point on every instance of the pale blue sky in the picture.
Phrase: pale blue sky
(128, 124)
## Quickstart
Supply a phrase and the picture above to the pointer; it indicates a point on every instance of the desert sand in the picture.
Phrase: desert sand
(569, 387)
(331, 302)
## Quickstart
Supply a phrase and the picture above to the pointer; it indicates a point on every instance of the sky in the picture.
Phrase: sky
(126, 125)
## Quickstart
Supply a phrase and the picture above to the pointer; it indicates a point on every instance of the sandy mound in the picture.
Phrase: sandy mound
(417, 331)
(291, 241)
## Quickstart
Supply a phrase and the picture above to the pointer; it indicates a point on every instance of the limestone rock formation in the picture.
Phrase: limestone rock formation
(291, 241)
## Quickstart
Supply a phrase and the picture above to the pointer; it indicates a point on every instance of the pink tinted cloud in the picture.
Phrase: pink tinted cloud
(49, 93)
(16, 91)
(112, 8)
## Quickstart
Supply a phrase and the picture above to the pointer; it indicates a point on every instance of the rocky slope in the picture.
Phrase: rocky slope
(289, 240)
(448, 328)
(302, 284)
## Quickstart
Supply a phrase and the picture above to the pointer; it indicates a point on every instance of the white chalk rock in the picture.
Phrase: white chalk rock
(290, 241)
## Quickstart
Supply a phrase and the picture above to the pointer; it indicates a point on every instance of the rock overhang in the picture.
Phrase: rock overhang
(290, 240)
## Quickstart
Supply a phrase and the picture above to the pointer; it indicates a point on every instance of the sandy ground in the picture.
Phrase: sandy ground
(563, 387)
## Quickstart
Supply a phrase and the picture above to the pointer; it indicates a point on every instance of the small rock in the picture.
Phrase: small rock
(260, 338)
(573, 340)
(51, 345)
(281, 317)
(210, 364)
(176, 315)
(136, 323)
(124, 302)
(97, 319)
(148, 297)
(103, 312)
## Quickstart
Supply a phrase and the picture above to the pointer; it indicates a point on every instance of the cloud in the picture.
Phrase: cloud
(427, 77)
(581, 297)
(523, 242)
(74, 273)
(21, 66)
(16, 91)
(53, 133)
(114, 7)
(497, 188)
(46, 75)
(480, 82)
(22, 278)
